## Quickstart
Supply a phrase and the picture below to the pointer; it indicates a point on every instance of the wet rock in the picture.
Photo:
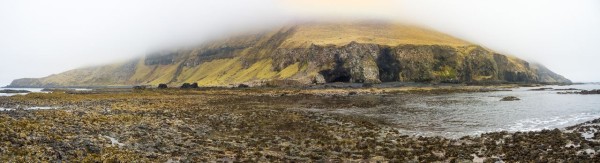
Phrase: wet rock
(239, 125)
(139, 87)
(510, 98)
(14, 91)
(585, 92)
(541, 89)
(189, 86)
(567, 89)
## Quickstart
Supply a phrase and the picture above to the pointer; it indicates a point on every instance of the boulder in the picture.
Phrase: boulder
(586, 92)
(582, 92)
(139, 87)
(541, 89)
(319, 79)
(510, 98)
(185, 86)
(162, 86)
(188, 85)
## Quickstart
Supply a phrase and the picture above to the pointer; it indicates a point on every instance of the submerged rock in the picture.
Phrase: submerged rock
(510, 98)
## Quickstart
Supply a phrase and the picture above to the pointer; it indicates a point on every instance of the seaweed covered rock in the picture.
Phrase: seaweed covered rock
(510, 98)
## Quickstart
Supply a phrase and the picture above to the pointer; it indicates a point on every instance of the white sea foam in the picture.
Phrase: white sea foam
(536, 124)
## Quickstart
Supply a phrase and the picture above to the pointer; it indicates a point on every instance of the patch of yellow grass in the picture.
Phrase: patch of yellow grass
(516, 63)
(163, 74)
(141, 72)
(215, 72)
(377, 33)
(289, 71)
(259, 70)
(482, 78)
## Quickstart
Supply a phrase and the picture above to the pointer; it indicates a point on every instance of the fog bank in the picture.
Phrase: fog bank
(39, 38)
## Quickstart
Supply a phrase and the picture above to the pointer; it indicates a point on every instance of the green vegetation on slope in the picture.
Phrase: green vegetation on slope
(314, 53)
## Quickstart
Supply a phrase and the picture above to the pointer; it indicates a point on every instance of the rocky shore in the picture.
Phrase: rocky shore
(582, 92)
(14, 91)
(254, 125)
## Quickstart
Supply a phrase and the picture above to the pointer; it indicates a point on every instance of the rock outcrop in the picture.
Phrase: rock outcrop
(315, 53)
(510, 98)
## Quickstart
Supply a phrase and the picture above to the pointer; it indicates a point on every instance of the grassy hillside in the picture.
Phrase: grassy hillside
(310, 53)
(376, 33)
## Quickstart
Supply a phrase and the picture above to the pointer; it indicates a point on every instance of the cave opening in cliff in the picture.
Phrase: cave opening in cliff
(336, 75)
(389, 66)
(343, 78)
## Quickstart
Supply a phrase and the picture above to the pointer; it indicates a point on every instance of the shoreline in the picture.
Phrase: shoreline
(333, 85)
(249, 124)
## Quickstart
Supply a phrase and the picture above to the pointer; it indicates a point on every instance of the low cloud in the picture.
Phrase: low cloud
(39, 37)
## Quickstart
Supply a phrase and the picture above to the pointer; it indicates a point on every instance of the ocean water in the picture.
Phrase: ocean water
(35, 90)
(461, 114)
(28, 89)
(457, 115)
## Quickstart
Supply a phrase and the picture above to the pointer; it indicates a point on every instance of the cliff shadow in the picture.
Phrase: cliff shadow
(389, 66)
(338, 73)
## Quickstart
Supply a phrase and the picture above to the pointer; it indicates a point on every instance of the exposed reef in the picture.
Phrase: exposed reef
(253, 125)
(582, 92)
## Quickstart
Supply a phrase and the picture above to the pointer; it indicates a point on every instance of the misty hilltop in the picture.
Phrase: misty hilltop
(313, 53)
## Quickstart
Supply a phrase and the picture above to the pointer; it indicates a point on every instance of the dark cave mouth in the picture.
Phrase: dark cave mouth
(336, 75)
(386, 74)
(344, 79)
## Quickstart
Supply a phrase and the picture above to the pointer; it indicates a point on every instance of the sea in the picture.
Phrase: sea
(470, 114)
(456, 115)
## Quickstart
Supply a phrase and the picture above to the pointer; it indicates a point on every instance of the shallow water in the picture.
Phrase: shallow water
(38, 90)
(27, 89)
(460, 114)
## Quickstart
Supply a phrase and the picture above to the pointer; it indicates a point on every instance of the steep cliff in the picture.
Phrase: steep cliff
(315, 53)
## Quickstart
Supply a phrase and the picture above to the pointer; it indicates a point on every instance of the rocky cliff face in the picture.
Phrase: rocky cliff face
(315, 53)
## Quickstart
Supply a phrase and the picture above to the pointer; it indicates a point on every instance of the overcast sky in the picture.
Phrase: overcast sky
(41, 37)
